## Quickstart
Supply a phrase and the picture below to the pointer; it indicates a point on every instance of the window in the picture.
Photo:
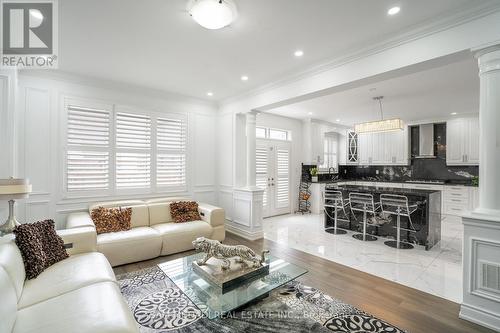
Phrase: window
(330, 159)
(261, 132)
(133, 151)
(171, 150)
(278, 134)
(115, 151)
(88, 149)
(272, 133)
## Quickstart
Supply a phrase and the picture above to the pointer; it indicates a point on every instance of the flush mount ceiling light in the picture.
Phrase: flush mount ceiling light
(212, 14)
(210, 94)
(298, 53)
(244, 78)
(393, 11)
(380, 125)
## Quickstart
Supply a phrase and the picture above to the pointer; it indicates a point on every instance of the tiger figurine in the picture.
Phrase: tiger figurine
(216, 249)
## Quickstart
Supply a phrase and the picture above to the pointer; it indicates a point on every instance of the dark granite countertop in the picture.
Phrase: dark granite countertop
(449, 183)
(388, 190)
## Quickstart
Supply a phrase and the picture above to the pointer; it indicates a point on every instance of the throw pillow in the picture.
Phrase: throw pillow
(52, 243)
(184, 211)
(30, 244)
(40, 246)
(111, 219)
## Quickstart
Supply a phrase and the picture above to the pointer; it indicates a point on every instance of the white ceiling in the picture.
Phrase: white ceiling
(156, 44)
(428, 94)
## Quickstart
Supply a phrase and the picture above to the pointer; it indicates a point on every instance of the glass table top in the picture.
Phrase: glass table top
(209, 298)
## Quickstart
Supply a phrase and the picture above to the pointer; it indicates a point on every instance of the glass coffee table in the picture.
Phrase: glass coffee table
(210, 299)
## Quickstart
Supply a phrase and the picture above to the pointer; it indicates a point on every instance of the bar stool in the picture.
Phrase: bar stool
(334, 199)
(393, 204)
(363, 202)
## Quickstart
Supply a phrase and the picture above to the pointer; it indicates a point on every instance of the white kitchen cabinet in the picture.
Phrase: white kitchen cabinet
(365, 142)
(462, 141)
(387, 148)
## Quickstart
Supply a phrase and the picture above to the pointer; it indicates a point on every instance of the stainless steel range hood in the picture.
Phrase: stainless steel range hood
(426, 141)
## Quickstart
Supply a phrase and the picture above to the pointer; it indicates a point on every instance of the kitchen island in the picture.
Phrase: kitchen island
(426, 219)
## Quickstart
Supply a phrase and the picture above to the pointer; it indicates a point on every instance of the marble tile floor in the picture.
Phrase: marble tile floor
(437, 271)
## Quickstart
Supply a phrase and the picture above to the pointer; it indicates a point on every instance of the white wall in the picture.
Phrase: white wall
(8, 84)
(40, 111)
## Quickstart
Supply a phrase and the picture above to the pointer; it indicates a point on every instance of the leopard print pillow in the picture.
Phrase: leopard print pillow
(30, 245)
(53, 244)
(111, 219)
(40, 246)
(184, 211)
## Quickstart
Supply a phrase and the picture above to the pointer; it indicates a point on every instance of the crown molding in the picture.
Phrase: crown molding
(73, 78)
(460, 16)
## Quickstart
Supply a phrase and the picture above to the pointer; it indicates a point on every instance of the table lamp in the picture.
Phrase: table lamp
(12, 189)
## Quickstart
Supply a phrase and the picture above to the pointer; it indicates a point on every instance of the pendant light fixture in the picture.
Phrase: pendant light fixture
(212, 14)
(380, 125)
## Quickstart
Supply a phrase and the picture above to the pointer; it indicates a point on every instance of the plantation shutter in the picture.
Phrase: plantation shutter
(261, 170)
(87, 149)
(171, 137)
(133, 151)
(283, 178)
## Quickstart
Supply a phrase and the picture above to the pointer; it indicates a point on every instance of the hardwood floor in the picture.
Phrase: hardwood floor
(407, 308)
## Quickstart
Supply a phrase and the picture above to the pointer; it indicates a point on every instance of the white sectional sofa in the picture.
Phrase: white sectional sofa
(79, 294)
(153, 231)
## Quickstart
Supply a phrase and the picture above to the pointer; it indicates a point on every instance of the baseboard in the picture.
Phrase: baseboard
(480, 317)
(243, 233)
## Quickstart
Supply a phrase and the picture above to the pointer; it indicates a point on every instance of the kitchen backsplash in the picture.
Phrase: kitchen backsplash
(420, 169)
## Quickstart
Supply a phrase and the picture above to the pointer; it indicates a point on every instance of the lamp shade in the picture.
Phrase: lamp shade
(14, 188)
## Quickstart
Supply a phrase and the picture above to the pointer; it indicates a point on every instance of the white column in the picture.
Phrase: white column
(251, 120)
(489, 123)
(246, 219)
(481, 247)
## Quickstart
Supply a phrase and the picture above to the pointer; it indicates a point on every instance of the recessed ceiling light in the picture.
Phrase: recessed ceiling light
(244, 78)
(309, 113)
(453, 113)
(337, 120)
(298, 53)
(210, 94)
(393, 10)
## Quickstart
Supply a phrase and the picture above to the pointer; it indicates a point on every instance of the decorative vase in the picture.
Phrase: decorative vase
(314, 179)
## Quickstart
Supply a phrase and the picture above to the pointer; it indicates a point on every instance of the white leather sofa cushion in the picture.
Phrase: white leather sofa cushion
(159, 212)
(12, 261)
(8, 302)
(75, 272)
(81, 240)
(96, 308)
(178, 237)
(140, 212)
(215, 216)
(79, 220)
(136, 244)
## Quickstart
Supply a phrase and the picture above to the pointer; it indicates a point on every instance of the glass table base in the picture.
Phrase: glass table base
(210, 299)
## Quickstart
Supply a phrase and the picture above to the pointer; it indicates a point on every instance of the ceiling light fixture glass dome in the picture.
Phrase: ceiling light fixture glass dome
(212, 14)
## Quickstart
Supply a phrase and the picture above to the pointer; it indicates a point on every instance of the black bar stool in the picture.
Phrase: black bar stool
(334, 199)
(393, 204)
(363, 202)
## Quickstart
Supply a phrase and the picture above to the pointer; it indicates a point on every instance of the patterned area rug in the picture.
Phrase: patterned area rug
(159, 306)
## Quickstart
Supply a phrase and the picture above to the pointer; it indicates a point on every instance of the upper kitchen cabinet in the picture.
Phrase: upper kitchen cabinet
(387, 148)
(462, 141)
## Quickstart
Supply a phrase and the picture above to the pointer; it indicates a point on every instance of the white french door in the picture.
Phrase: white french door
(273, 175)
